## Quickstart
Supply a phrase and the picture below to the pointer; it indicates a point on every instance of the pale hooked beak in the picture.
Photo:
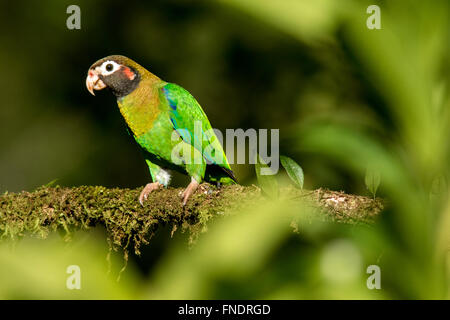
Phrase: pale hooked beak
(93, 82)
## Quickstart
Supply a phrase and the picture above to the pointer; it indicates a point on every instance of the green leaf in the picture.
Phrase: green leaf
(266, 180)
(372, 180)
(294, 171)
(51, 183)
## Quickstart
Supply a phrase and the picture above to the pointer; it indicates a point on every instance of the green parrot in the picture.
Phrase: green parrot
(166, 121)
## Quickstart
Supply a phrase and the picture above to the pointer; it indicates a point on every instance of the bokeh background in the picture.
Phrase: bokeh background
(344, 97)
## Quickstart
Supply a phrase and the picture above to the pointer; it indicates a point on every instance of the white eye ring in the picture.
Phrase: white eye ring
(105, 69)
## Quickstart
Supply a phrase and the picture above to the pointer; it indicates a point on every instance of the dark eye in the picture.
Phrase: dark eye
(109, 67)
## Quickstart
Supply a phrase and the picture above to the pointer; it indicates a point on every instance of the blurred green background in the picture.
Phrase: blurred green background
(344, 97)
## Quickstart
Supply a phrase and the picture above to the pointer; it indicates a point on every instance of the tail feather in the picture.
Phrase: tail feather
(218, 174)
(230, 174)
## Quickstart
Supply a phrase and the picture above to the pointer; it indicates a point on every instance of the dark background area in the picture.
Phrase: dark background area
(345, 98)
(244, 73)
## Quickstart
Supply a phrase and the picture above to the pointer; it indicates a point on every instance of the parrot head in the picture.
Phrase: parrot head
(118, 73)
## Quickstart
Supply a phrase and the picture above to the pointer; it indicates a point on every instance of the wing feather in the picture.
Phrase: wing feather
(190, 121)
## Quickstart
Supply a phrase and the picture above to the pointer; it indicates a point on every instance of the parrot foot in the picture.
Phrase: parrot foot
(146, 191)
(189, 191)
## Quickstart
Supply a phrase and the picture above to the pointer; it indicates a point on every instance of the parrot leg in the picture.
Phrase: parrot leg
(195, 167)
(189, 190)
(161, 178)
(146, 191)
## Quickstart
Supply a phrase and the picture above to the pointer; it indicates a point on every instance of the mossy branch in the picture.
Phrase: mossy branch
(50, 209)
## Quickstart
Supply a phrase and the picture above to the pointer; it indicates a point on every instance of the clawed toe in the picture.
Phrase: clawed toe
(189, 191)
(185, 195)
(147, 190)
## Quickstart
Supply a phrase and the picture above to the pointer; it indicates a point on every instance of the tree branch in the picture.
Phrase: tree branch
(50, 209)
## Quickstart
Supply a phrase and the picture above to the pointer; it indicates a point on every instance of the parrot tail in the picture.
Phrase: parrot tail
(218, 174)
(230, 174)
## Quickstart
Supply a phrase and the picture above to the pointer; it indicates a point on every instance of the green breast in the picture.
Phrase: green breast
(146, 115)
(140, 110)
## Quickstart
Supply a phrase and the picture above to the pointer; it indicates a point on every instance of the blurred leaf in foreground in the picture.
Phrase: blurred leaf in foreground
(38, 269)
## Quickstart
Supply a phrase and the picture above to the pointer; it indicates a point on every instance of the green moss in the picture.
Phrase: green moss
(64, 210)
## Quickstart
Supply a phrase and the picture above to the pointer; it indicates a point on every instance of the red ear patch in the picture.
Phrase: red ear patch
(130, 74)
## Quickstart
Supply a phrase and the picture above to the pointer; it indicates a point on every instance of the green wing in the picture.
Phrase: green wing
(191, 123)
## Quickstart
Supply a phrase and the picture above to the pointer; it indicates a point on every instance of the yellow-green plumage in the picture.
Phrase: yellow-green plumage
(153, 111)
